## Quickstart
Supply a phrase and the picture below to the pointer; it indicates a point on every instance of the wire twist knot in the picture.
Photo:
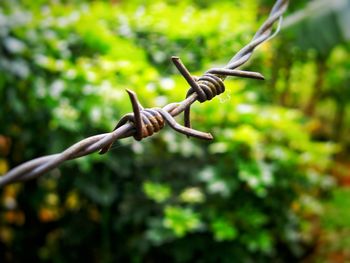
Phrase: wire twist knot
(209, 85)
(152, 122)
(149, 121)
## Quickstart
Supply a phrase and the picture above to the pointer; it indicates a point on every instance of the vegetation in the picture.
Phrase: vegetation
(250, 195)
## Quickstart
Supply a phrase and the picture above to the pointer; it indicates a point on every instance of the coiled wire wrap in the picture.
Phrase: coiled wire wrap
(149, 121)
(152, 122)
(210, 85)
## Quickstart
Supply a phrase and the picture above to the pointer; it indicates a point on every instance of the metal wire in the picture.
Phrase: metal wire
(145, 122)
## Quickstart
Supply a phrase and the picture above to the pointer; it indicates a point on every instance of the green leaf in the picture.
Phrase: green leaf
(181, 220)
(156, 191)
(223, 230)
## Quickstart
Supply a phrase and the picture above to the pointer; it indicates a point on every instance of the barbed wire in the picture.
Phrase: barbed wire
(145, 122)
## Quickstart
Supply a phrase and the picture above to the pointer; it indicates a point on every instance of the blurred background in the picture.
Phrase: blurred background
(273, 186)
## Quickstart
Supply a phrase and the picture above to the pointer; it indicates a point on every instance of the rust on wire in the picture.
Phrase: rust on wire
(149, 121)
(145, 122)
(210, 84)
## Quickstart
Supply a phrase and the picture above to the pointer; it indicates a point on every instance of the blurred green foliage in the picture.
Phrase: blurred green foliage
(337, 213)
(313, 72)
(334, 239)
(244, 197)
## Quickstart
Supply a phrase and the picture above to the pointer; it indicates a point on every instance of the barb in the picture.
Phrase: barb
(145, 122)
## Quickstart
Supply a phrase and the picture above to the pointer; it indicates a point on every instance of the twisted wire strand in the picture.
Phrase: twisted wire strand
(262, 35)
(145, 122)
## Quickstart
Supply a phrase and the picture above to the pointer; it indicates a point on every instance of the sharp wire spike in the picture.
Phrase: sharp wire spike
(136, 107)
(186, 74)
(236, 73)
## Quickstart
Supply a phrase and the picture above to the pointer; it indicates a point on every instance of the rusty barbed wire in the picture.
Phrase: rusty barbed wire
(145, 122)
